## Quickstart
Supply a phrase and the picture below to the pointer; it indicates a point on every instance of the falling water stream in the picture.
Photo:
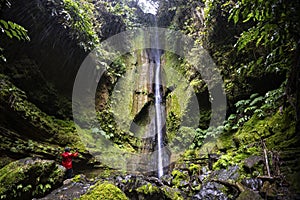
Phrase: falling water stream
(159, 109)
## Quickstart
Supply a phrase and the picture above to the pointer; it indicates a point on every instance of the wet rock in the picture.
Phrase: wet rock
(153, 192)
(205, 170)
(72, 189)
(166, 179)
(28, 178)
(138, 187)
(195, 185)
(214, 184)
(253, 183)
(202, 177)
(232, 173)
(171, 193)
(210, 191)
(129, 182)
(251, 161)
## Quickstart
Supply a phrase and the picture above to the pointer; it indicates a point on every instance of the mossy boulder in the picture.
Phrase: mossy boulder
(27, 178)
(105, 191)
(148, 189)
(153, 192)
(141, 187)
(180, 178)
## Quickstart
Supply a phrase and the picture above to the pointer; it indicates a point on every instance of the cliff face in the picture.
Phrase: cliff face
(38, 76)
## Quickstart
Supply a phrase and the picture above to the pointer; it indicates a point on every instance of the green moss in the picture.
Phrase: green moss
(183, 139)
(29, 178)
(163, 192)
(278, 130)
(171, 193)
(178, 178)
(190, 154)
(78, 178)
(224, 141)
(105, 191)
(194, 169)
(230, 159)
(180, 97)
(148, 189)
(38, 125)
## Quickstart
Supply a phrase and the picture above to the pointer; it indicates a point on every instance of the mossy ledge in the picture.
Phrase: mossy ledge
(106, 191)
(27, 178)
(28, 131)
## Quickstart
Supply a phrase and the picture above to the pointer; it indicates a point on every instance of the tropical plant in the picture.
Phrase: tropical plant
(12, 30)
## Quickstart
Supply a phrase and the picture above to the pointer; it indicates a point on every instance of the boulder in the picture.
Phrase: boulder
(105, 191)
(28, 178)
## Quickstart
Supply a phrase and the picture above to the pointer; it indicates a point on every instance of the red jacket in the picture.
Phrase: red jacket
(67, 159)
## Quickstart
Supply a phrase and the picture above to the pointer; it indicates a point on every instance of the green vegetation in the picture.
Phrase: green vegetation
(279, 129)
(12, 30)
(148, 189)
(29, 178)
(164, 192)
(179, 178)
(80, 16)
(42, 126)
(104, 191)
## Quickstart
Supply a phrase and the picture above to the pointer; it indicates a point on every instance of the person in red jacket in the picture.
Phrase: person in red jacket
(67, 161)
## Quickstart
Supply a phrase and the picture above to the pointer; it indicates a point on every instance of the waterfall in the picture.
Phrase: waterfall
(150, 109)
(159, 108)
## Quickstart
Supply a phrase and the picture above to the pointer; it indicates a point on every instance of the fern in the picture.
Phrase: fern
(12, 30)
(254, 95)
(257, 100)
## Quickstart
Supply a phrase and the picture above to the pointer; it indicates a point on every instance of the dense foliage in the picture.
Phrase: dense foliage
(267, 33)
(11, 29)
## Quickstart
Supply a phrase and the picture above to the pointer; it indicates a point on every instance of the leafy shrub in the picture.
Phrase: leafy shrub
(12, 30)
(201, 135)
(261, 106)
(79, 16)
